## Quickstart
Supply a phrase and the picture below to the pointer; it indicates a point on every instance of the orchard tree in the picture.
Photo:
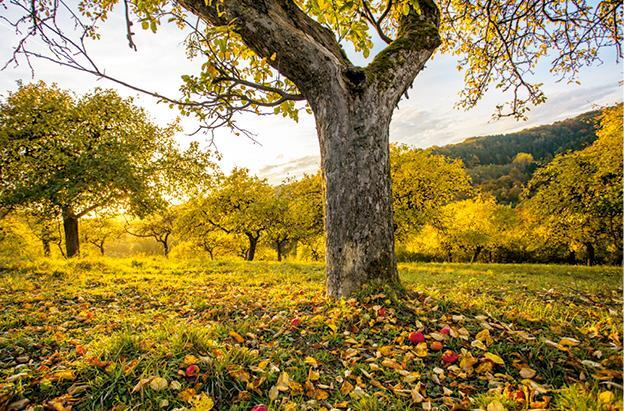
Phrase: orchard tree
(75, 156)
(264, 56)
(579, 195)
(473, 226)
(240, 205)
(422, 183)
(46, 229)
(159, 226)
(296, 214)
(192, 222)
(97, 231)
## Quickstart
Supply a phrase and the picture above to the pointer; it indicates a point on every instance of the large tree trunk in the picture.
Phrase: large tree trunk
(70, 228)
(352, 107)
(353, 132)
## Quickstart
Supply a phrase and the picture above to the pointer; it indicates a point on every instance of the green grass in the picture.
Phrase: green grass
(102, 333)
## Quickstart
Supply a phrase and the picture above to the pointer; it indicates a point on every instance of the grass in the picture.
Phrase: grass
(155, 334)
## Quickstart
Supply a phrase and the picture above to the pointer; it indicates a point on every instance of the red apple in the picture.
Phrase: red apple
(381, 312)
(259, 407)
(295, 322)
(449, 357)
(436, 346)
(416, 337)
(445, 330)
(192, 371)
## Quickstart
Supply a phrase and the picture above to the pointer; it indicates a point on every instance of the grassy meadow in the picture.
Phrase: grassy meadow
(129, 334)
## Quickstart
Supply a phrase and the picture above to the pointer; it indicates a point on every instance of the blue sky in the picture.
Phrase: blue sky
(287, 148)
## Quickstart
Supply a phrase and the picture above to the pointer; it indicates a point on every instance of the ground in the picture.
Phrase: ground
(152, 334)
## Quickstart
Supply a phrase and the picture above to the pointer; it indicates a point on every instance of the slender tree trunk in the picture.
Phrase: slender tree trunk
(165, 246)
(101, 247)
(210, 251)
(46, 247)
(70, 228)
(253, 242)
(354, 138)
(279, 248)
(591, 254)
(476, 253)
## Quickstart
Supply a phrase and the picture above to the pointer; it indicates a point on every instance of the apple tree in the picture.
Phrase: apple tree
(72, 156)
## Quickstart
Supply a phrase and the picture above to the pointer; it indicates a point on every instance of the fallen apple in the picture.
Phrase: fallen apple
(295, 322)
(192, 371)
(436, 346)
(449, 357)
(445, 330)
(381, 312)
(259, 407)
(416, 337)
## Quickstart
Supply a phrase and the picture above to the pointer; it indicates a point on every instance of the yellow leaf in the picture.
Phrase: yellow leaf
(158, 384)
(485, 337)
(311, 361)
(190, 360)
(496, 405)
(386, 350)
(390, 363)
(273, 57)
(467, 362)
(282, 382)
(346, 388)
(568, 342)
(64, 375)
(526, 372)
(411, 377)
(421, 349)
(494, 358)
(321, 394)
(143, 382)
(273, 393)
(606, 397)
(237, 337)
(187, 395)
(295, 386)
(202, 402)
(478, 344)
(331, 325)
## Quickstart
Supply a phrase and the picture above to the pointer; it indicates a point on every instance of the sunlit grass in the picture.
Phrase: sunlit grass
(116, 322)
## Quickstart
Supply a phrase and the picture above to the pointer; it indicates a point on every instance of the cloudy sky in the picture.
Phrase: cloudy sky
(285, 148)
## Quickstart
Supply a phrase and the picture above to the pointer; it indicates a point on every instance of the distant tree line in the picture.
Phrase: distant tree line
(132, 190)
(503, 164)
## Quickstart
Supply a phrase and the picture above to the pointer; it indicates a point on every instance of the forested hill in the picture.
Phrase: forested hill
(542, 142)
(502, 164)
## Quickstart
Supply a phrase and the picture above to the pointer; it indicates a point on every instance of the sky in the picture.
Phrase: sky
(284, 148)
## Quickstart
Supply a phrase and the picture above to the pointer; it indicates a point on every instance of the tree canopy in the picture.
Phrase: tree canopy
(72, 156)
(579, 195)
(498, 44)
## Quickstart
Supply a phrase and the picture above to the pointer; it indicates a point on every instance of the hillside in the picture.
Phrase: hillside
(542, 142)
(499, 164)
